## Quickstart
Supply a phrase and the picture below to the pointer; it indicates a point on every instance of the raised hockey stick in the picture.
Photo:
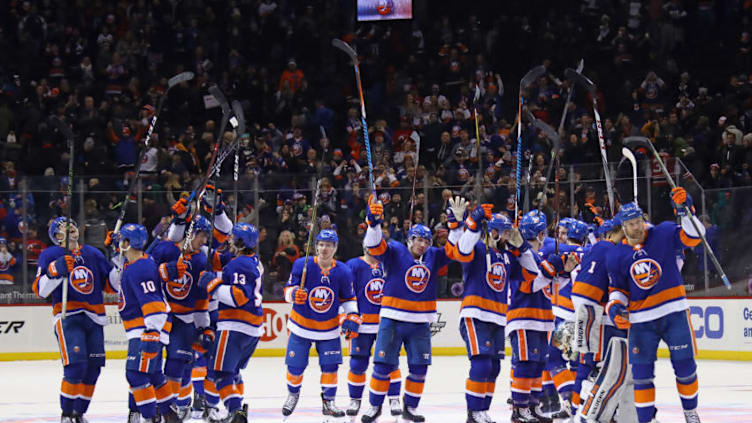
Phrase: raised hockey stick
(581, 79)
(646, 143)
(627, 153)
(310, 233)
(347, 48)
(557, 147)
(237, 109)
(68, 133)
(480, 175)
(175, 80)
(415, 171)
(530, 77)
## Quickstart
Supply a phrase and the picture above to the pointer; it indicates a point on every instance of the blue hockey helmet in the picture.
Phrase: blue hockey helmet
(629, 211)
(327, 235)
(578, 230)
(3, 241)
(499, 222)
(608, 226)
(247, 233)
(564, 222)
(135, 234)
(58, 226)
(533, 223)
(202, 225)
(420, 231)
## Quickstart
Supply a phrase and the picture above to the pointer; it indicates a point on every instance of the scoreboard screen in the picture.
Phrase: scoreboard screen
(383, 10)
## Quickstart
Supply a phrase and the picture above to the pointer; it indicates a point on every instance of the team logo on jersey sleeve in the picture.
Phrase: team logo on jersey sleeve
(416, 278)
(373, 290)
(82, 280)
(496, 277)
(121, 301)
(645, 273)
(321, 299)
(180, 288)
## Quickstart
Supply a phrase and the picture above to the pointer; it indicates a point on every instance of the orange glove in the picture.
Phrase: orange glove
(375, 213)
(108, 238)
(63, 266)
(180, 207)
(622, 322)
(300, 295)
(679, 195)
(182, 267)
(488, 210)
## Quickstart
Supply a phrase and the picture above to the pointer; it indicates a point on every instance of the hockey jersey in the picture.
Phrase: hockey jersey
(591, 282)
(646, 277)
(90, 277)
(141, 301)
(529, 308)
(486, 289)
(240, 294)
(7, 267)
(318, 318)
(410, 290)
(187, 302)
(561, 301)
(368, 282)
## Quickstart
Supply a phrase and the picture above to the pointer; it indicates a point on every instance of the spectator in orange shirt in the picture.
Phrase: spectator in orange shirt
(293, 75)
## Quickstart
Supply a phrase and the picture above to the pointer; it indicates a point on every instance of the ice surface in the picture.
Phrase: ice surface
(29, 392)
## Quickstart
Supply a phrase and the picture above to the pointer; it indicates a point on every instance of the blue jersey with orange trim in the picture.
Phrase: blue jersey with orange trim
(90, 277)
(529, 308)
(561, 303)
(368, 282)
(240, 296)
(591, 282)
(327, 289)
(187, 302)
(646, 277)
(486, 289)
(410, 291)
(141, 300)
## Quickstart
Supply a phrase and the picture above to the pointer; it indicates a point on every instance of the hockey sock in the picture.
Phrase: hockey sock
(644, 391)
(475, 385)
(395, 383)
(356, 377)
(522, 382)
(491, 383)
(294, 378)
(536, 390)
(184, 396)
(211, 394)
(564, 381)
(87, 389)
(414, 384)
(584, 367)
(173, 371)
(379, 383)
(163, 391)
(548, 384)
(143, 394)
(329, 380)
(71, 387)
(225, 382)
(239, 385)
(198, 373)
(686, 382)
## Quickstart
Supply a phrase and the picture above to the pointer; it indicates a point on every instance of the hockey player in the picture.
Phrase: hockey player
(529, 316)
(408, 306)
(240, 316)
(647, 296)
(368, 277)
(145, 317)
(189, 307)
(314, 319)
(80, 335)
(7, 264)
(484, 307)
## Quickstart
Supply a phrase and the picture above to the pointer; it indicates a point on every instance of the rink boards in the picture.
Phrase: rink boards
(723, 329)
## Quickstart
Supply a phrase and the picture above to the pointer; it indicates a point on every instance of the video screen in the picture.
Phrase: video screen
(384, 10)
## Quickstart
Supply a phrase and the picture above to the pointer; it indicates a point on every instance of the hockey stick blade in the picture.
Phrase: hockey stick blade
(179, 78)
(347, 48)
(630, 156)
(579, 78)
(221, 99)
(532, 75)
(237, 108)
(636, 142)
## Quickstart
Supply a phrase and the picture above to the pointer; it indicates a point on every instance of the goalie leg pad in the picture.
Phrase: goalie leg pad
(587, 328)
(608, 387)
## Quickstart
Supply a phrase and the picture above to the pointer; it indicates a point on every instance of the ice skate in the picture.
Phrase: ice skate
(330, 410)
(486, 417)
(213, 415)
(564, 411)
(371, 414)
(198, 406)
(183, 412)
(354, 407)
(535, 410)
(691, 416)
(475, 417)
(67, 419)
(79, 418)
(394, 406)
(290, 403)
(134, 417)
(523, 415)
(238, 416)
(172, 415)
(408, 414)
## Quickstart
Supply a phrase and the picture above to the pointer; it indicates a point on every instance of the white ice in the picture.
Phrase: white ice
(29, 392)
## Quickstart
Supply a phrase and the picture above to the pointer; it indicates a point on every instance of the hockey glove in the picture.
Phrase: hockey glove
(150, 346)
(618, 314)
(375, 214)
(61, 267)
(182, 210)
(456, 212)
(204, 340)
(350, 326)
(478, 215)
(211, 197)
(209, 281)
(553, 265)
(174, 270)
(111, 238)
(680, 198)
(299, 295)
(518, 244)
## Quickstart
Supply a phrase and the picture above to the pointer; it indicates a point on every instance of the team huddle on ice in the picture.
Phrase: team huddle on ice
(584, 312)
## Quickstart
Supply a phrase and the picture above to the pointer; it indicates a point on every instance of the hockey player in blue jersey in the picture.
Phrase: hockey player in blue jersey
(485, 273)
(368, 281)
(144, 312)
(318, 287)
(80, 334)
(408, 306)
(239, 321)
(647, 296)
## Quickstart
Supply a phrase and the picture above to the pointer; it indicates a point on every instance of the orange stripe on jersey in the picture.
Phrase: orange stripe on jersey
(219, 236)
(472, 339)
(658, 298)
(484, 303)
(475, 387)
(644, 396)
(239, 296)
(241, 315)
(687, 390)
(692, 331)
(145, 358)
(412, 387)
(314, 324)
(202, 305)
(530, 313)
(564, 302)
(329, 379)
(611, 288)
(588, 291)
(61, 342)
(522, 345)
(370, 318)
(221, 350)
(153, 307)
(379, 249)
(133, 323)
(144, 395)
(463, 258)
(176, 308)
(563, 377)
(216, 260)
(164, 392)
(399, 303)
(75, 305)
(688, 240)
(526, 286)
(575, 398)
(451, 251)
(167, 328)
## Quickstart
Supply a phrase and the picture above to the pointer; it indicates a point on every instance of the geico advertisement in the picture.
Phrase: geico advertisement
(722, 325)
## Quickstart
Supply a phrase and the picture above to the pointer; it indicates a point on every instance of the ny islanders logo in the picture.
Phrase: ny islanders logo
(496, 276)
(645, 273)
(321, 299)
(82, 280)
(416, 278)
(180, 288)
(121, 301)
(373, 290)
(384, 7)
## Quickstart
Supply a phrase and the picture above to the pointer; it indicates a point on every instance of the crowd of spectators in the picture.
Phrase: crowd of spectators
(678, 72)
